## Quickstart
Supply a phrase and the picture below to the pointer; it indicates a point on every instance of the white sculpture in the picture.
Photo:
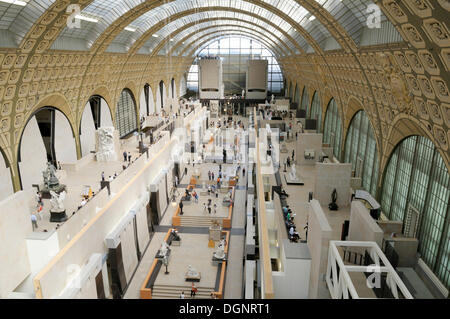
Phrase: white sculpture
(220, 252)
(164, 249)
(106, 151)
(273, 99)
(192, 273)
(57, 202)
(293, 172)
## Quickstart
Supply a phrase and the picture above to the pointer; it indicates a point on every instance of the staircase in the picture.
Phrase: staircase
(197, 221)
(173, 292)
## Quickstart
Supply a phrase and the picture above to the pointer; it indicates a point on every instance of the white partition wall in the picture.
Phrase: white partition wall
(32, 146)
(129, 253)
(6, 186)
(65, 146)
(309, 148)
(87, 133)
(362, 226)
(319, 236)
(15, 226)
(330, 177)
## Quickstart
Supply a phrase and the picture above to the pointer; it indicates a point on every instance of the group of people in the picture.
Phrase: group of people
(290, 225)
(194, 291)
(110, 178)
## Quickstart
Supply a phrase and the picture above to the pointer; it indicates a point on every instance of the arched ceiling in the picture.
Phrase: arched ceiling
(178, 44)
(305, 25)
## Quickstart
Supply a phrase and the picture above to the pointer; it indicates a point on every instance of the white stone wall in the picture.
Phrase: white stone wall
(6, 186)
(65, 147)
(129, 255)
(32, 147)
(330, 177)
(105, 117)
(15, 226)
(87, 137)
(308, 142)
(362, 226)
(319, 236)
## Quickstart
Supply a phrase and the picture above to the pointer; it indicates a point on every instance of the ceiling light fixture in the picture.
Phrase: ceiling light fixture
(79, 16)
(131, 29)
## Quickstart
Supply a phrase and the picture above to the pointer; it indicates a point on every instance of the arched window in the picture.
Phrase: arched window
(361, 151)
(126, 121)
(416, 177)
(235, 52)
(332, 133)
(297, 95)
(316, 111)
(305, 100)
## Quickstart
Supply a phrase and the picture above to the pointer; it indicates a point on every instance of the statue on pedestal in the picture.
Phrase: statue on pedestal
(57, 202)
(220, 252)
(192, 274)
(51, 182)
(333, 205)
(106, 151)
(293, 174)
(164, 249)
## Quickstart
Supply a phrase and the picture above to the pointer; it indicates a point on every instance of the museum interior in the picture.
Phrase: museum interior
(224, 149)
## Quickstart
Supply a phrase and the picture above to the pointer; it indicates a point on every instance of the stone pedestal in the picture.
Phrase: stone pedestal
(58, 217)
(45, 192)
(215, 233)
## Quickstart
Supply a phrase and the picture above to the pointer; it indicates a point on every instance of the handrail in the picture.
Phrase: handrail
(267, 283)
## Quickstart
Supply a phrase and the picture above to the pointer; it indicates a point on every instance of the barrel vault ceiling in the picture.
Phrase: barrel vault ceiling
(398, 73)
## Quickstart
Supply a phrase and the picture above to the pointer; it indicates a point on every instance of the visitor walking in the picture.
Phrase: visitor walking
(193, 291)
(243, 172)
(34, 221)
(103, 176)
(125, 156)
(209, 175)
(181, 207)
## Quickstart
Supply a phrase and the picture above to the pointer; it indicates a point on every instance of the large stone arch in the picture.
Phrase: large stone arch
(31, 146)
(118, 122)
(6, 181)
(404, 126)
(87, 126)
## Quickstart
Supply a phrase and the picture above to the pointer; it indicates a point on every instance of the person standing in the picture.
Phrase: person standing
(193, 291)
(34, 221)
(293, 155)
(181, 207)
(125, 156)
(103, 176)
(129, 157)
(212, 176)
(243, 172)
(289, 162)
(209, 175)
(182, 295)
